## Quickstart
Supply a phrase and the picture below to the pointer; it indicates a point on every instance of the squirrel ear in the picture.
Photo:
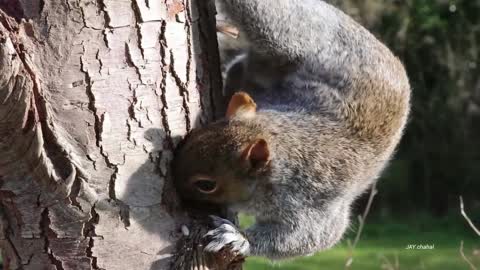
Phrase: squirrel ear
(241, 104)
(257, 153)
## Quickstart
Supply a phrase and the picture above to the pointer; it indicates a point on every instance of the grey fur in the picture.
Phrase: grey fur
(332, 114)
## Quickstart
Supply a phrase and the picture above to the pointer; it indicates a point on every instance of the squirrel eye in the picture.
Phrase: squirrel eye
(205, 185)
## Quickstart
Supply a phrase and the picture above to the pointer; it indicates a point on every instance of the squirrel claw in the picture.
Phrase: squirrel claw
(226, 234)
(218, 221)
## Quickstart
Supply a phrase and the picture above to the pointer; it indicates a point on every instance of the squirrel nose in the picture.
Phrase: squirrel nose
(206, 186)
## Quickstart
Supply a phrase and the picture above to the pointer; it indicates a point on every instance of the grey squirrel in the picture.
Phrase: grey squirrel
(322, 108)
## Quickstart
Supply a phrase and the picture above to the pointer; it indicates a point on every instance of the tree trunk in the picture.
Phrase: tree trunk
(94, 96)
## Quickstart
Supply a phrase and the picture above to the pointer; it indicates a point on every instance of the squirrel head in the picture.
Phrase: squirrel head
(223, 162)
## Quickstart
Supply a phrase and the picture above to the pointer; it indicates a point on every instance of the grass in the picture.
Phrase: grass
(383, 243)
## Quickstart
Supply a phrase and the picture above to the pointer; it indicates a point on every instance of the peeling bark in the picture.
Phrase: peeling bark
(94, 96)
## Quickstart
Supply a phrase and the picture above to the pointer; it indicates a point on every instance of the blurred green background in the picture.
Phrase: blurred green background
(439, 157)
(383, 245)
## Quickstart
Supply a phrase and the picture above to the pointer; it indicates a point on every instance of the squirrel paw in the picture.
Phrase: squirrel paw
(226, 234)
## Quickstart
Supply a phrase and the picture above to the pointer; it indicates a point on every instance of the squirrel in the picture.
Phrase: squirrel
(317, 109)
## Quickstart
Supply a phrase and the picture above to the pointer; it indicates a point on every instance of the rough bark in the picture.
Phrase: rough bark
(94, 96)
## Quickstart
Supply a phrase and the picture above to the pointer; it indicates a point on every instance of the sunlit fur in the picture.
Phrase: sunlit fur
(332, 115)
